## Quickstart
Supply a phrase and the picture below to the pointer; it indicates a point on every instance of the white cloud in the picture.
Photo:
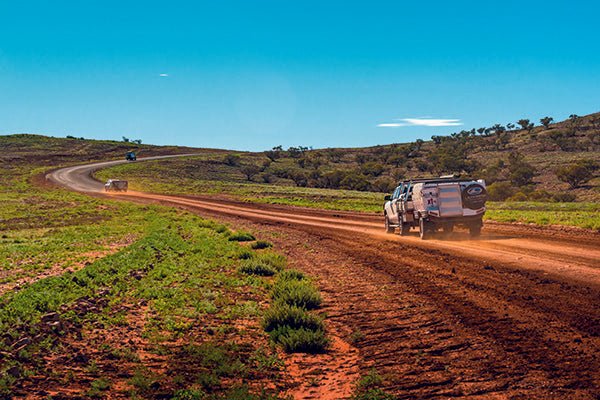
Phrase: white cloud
(421, 122)
(163, 75)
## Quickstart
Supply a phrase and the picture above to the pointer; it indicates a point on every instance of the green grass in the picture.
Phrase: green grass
(297, 293)
(583, 215)
(181, 268)
(261, 244)
(256, 267)
(369, 387)
(288, 320)
(280, 315)
(241, 237)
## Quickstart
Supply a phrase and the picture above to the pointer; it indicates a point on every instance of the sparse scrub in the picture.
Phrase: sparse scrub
(300, 340)
(369, 388)
(245, 254)
(291, 275)
(275, 260)
(297, 293)
(257, 267)
(281, 315)
(241, 237)
(261, 244)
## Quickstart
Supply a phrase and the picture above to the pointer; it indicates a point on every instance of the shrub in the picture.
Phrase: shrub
(261, 244)
(519, 196)
(300, 340)
(280, 315)
(369, 388)
(576, 174)
(189, 394)
(564, 197)
(241, 237)
(233, 160)
(256, 267)
(291, 275)
(500, 191)
(275, 260)
(245, 254)
(297, 293)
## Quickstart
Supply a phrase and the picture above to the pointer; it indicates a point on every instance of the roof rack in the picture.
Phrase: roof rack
(437, 180)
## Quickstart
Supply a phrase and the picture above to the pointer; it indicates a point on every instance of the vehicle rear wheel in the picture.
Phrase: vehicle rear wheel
(388, 227)
(424, 229)
(475, 230)
(404, 229)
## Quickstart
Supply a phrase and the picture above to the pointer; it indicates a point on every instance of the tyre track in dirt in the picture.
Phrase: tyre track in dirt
(513, 315)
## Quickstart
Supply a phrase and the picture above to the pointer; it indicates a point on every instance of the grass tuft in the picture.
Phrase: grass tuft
(261, 244)
(297, 293)
(300, 340)
(257, 267)
(280, 315)
(291, 275)
(241, 237)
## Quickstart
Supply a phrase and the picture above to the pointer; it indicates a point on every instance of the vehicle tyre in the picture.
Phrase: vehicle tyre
(404, 229)
(424, 229)
(475, 230)
(388, 227)
(448, 228)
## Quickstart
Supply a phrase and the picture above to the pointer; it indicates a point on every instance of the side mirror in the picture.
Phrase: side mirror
(387, 197)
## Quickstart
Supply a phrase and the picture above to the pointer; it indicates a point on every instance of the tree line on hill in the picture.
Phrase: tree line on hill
(379, 168)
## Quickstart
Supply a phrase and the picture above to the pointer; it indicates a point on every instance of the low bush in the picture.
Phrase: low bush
(257, 267)
(369, 388)
(275, 260)
(564, 197)
(297, 293)
(281, 315)
(500, 191)
(291, 275)
(261, 244)
(300, 340)
(241, 237)
(245, 254)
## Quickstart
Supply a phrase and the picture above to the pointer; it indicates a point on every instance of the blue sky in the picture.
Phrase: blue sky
(250, 75)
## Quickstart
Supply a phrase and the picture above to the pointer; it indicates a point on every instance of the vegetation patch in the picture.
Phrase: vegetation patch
(241, 237)
(299, 293)
(261, 244)
(257, 267)
(162, 281)
(370, 387)
(289, 321)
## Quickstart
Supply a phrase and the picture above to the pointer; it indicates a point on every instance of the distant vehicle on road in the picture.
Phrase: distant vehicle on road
(116, 185)
(130, 156)
(431, 204)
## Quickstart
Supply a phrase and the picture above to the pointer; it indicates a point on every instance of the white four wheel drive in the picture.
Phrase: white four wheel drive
(432, 204)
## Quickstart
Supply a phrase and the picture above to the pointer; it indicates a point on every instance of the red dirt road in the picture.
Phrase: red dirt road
(515, 314)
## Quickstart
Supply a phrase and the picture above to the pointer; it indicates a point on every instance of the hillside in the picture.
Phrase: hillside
(517, 165)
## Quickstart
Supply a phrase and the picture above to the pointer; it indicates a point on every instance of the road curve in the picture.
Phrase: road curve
(79, 177)
(515, 314)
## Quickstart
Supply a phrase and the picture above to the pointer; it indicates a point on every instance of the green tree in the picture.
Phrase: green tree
(526, 124)
(233, 160)
(546, 121)
(250, 170)
(521, 173)
(576, 174)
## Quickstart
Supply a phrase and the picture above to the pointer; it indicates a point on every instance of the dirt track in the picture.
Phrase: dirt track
(513, 314)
